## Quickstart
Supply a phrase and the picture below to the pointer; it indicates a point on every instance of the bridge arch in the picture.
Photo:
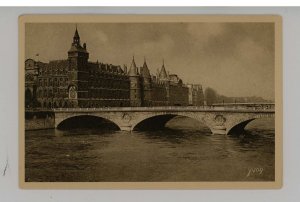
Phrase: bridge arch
(218, 121)
(86, 121)
(239, 127)
(236, 126)
(159, 120)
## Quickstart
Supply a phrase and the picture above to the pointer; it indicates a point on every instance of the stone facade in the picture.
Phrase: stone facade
(78, 82)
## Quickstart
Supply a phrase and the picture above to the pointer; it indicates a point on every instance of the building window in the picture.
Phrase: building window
(50, 93)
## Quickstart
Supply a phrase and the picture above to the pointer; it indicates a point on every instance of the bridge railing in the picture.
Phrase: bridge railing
(231, 107)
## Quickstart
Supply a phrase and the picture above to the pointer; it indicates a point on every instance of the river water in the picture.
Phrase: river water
(185, 151)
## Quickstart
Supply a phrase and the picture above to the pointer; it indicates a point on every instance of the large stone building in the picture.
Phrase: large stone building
(77, 82)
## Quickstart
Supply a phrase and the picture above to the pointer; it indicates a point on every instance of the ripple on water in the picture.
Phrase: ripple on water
(187, 152)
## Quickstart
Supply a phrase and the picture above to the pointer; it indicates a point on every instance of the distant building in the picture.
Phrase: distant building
(196, 95)
(77, 82)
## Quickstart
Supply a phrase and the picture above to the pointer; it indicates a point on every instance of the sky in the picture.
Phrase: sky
(235, 59)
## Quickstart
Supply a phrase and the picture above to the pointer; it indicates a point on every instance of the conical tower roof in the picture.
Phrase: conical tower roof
(145, 71)
(133, 69)
(76, 35)
(76, 46)
(163, 72)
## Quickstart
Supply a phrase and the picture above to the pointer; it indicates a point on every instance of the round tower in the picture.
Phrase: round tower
(135, 85)
(146, 84)
(164, 78)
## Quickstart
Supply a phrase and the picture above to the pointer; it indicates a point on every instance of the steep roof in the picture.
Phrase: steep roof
(145, 71)
(163, 72)
(133, 69)
(76, 46)
(76, 35)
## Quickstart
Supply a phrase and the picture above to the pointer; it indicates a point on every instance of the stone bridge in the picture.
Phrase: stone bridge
(220, 119)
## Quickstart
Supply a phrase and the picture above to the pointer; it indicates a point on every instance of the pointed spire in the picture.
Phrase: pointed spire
(144, 70)
(76, 38)
(76, 35)
(133, 71)
(163, 72)
(133, 62)
(145, 63)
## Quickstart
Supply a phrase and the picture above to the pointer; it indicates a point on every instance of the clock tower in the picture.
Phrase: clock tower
(78, 72)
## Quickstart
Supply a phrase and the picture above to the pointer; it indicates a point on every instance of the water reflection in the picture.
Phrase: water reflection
(186, 151)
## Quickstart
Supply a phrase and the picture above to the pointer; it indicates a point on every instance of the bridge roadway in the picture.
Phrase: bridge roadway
(221, 119)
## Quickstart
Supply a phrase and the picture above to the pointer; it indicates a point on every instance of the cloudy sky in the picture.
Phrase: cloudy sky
(236, 59)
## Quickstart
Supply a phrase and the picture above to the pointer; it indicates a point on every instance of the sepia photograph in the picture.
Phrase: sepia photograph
(124, 101)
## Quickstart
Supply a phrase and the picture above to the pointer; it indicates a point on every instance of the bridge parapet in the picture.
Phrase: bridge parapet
(174, 108)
